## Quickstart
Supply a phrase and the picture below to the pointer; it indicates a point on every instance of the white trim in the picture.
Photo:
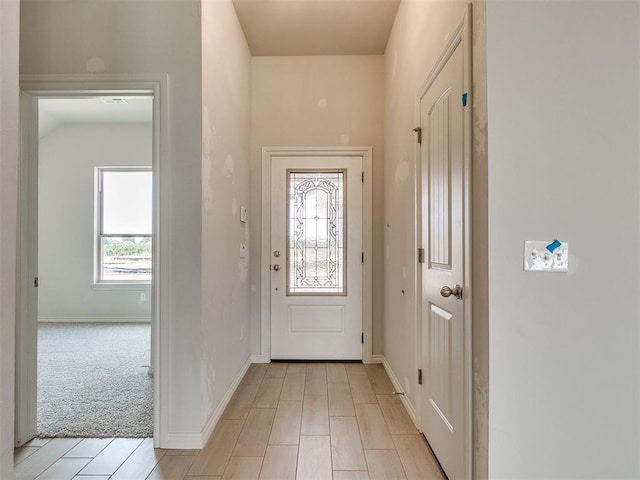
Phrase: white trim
(377, 359)
(411, 411)
(367, 234)
(121, 286)
(214, 418)
(26, 252)
(94, 319)
(462, 36)
(259, 359)
(183, 441)
(82, 85)
(190, 441)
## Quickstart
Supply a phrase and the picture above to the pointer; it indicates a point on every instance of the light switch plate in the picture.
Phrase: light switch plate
(546, 256)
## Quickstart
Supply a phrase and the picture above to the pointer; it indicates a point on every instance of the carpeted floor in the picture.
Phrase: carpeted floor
(93, 380)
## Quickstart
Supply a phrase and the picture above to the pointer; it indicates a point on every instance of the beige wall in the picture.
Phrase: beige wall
(121, 36)
(9, 122)
(226, 110)
(563, 96)
(317, 101)
(67, 158)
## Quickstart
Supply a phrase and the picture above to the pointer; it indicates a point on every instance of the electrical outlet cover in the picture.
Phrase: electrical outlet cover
(546, 256)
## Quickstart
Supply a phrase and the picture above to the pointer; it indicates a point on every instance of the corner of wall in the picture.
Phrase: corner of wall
(9, 144)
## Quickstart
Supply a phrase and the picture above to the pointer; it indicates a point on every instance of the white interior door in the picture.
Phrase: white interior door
(443, 344)
(316, 257)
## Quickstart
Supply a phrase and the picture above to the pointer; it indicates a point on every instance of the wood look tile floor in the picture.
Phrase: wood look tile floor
(293, 421)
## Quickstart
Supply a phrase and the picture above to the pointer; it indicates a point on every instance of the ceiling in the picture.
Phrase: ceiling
(271, 27)
(53, 112)
(316, 27)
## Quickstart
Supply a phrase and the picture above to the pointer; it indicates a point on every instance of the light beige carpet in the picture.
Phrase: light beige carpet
(93, 380)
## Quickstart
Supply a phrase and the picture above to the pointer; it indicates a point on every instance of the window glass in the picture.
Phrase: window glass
(316, 234)
(126, 202)
(124, 241)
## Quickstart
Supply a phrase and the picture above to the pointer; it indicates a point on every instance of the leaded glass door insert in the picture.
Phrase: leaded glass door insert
(316, 231)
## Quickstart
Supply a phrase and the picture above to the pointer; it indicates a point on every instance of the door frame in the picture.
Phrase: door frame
(32, 88)
(461, 37)
(366, 153)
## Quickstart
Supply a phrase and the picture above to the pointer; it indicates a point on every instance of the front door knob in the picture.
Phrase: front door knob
(276, 268)
(447, 291)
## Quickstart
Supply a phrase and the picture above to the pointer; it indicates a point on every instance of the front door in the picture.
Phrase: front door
(443, 344)
(316, 258)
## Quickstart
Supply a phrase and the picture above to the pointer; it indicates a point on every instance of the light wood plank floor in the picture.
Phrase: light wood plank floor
(297, 421)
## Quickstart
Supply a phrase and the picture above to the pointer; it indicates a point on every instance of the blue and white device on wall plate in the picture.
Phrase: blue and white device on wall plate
(546, 256)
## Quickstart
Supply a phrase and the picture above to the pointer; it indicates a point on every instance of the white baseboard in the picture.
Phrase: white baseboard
(259, 359)
(214, 418)
(377, 358)
(398, 388)
(94, 319)
(184, 441)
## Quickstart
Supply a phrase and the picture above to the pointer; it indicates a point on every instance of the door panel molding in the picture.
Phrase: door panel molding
(366, 153)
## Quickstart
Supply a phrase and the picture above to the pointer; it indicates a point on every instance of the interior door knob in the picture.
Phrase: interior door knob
(447, 291)
(276, 267)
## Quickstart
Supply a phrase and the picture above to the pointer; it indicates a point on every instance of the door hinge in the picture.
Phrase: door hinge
(362, 338)
(362, 177)
(419, 376)
(362, 257)
(421, 255)
(419, 131)
(36, 282)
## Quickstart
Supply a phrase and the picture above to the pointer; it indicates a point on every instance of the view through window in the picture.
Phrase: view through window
(124, 225)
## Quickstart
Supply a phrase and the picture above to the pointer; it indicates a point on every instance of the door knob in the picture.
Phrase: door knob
(276, 267)
(447, 291)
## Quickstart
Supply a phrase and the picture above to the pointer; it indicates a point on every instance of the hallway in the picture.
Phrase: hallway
(286, 421)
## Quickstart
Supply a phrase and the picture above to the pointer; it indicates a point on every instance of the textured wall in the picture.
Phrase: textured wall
(121, 36)
(67, 160)
(563, 98)
(226, 110)
(317, 101)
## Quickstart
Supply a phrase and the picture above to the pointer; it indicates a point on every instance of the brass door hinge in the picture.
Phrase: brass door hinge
(419, 131)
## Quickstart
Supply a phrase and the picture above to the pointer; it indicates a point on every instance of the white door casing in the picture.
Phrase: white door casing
(34, 87)
(316, 316)
(445, 319)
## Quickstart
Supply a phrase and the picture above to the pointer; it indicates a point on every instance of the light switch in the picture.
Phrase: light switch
(243, 214)
(546, 256)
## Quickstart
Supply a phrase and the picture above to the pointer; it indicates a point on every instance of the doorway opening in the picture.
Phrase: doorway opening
(88, 314)
(94, 267)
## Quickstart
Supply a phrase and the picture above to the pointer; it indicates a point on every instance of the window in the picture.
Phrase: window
(316, 233)
(123, 221)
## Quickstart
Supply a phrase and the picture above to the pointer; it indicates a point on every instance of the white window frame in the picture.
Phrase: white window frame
(98, 281)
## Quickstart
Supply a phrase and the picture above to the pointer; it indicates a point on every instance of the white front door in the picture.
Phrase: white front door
(443, 334)
(316, 257)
